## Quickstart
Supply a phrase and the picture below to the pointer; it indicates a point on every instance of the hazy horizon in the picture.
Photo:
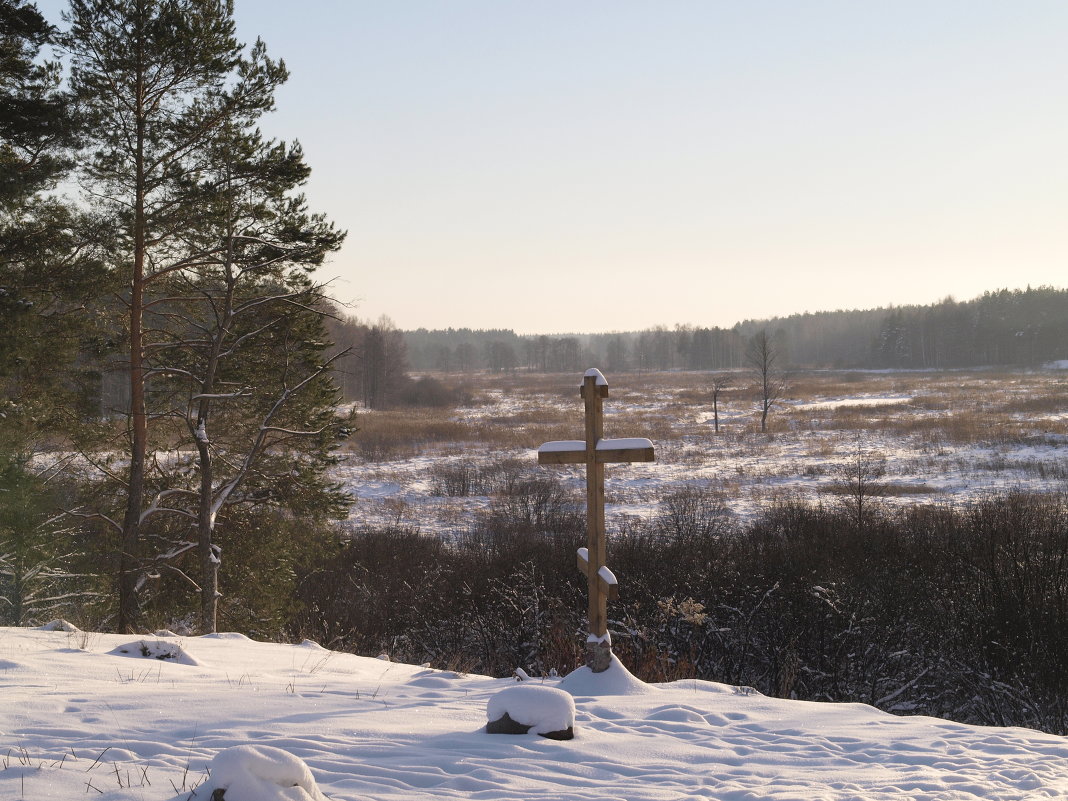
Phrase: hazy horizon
(727, 326)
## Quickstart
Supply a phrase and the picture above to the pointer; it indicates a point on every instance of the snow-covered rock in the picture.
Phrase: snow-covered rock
(533, 708)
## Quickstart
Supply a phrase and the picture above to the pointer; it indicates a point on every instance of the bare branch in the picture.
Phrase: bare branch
(94, 516)
(155, 507)
(241, 393)
(294, 432)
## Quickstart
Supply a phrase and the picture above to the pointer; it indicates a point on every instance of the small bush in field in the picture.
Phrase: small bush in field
(693, 513)
(464, 477)
(539, 504)
(457, 479)
(427, 391)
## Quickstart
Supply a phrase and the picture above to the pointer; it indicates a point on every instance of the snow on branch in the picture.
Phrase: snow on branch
(294, 432)
(241, 393)
(182, 574)
(260, 441)
(155, 507)
(886, 699)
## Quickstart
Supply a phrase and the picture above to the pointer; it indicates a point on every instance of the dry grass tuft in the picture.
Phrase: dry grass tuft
(405, 433)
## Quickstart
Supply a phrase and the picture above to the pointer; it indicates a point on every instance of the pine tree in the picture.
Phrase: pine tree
(157, 80)
(47, 275)
(41, 274)
(246, 358)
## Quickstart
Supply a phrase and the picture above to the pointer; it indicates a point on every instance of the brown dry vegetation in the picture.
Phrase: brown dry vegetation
(399, 434)
(958, 408)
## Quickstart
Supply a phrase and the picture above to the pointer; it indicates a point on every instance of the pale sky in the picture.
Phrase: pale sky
(593, 165)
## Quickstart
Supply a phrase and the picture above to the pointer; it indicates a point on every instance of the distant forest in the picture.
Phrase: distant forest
(1023, 328)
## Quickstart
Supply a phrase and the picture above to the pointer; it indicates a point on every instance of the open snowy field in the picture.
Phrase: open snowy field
(931, 437)
(88, 715)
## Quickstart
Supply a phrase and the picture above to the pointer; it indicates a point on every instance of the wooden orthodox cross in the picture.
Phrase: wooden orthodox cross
(595, 452)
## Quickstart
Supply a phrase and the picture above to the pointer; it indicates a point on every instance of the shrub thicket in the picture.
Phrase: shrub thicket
(955, 612)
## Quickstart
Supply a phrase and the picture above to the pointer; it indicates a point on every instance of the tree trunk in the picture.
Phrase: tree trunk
(206, 549)
(129, 561)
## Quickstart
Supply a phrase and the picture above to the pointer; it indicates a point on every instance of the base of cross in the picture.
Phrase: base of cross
(598, 653)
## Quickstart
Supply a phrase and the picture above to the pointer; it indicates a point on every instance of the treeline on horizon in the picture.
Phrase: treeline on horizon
(1006, 327)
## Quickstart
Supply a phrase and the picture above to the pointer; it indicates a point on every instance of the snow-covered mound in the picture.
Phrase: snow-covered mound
(81, 722)
(617, 680)
(59, 625)
(261, 773)
(156, 649)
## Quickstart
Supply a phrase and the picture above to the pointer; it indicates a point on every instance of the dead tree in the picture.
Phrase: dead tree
(762, 356)
(720, 382)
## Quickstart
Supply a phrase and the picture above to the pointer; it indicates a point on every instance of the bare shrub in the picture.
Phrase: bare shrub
(427, 391)
(457, 479)
(897, 489)
(693, 513)
(465, 477)
(540, 504)
(504, 476)
(859, 484)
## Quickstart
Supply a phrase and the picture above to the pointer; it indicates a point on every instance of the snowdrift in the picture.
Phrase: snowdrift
(80, 719)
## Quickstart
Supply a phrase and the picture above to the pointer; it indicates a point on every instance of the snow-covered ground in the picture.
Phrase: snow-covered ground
(941, 438)
(87, 715)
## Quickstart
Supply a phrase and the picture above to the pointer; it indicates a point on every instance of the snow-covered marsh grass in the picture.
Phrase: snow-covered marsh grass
(394, 434)
(948, 436)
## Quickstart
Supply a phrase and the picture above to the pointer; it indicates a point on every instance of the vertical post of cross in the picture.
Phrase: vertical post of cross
(596, 451)
(598, 643)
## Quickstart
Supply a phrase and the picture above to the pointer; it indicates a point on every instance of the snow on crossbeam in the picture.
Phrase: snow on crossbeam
(607, 451)
(607, 580)
(607, 576)
(562, 445)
